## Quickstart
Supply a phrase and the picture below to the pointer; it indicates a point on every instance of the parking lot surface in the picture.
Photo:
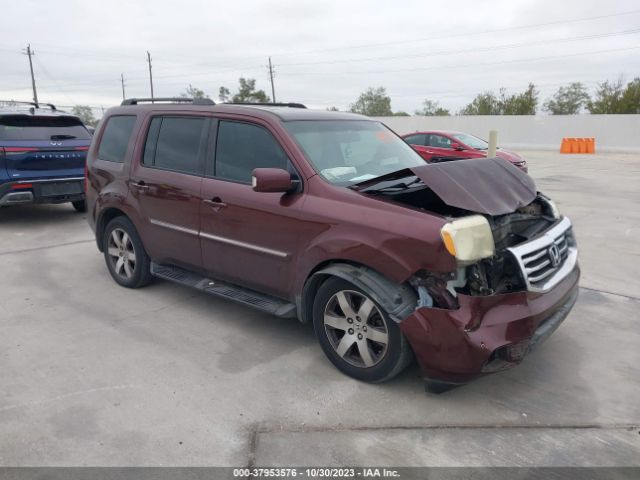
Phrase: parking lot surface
(95, 374)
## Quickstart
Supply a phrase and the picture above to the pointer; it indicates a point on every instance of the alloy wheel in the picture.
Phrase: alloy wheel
(356, 329)
(122, 254)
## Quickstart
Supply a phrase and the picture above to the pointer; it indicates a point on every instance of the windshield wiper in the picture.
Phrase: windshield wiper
(63, 137)
(394, 187)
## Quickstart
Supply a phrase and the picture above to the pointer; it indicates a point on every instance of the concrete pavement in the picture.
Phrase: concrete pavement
(95, 374)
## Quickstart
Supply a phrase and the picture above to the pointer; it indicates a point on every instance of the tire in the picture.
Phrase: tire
(80, 206)
(341, 336)
(126, 258)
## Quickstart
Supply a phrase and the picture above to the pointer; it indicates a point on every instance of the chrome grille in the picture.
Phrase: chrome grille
(546, 260)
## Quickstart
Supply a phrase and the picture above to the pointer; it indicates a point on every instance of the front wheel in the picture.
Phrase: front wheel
(356, 334)
(126, 258)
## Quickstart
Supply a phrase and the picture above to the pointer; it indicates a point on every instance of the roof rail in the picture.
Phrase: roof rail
(194, 101)
(269, 104)
(37, 105)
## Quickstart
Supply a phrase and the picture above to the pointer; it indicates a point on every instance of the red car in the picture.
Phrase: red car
(440, 145)
(331, 218)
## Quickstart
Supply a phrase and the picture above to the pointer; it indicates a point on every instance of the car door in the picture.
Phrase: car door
(419, 143)
(165, 183)
(439, 147)
(248, 238)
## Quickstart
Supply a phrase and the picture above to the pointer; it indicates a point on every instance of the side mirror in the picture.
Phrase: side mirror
(456, 146)
(271, 180)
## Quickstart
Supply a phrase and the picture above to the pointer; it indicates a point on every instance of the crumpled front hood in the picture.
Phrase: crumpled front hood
(483, 185)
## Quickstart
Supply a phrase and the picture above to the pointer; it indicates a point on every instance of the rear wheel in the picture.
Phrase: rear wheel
(356, 334)
(125, 255)
(80, 206)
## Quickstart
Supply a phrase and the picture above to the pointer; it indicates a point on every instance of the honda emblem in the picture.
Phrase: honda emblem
(554, 255)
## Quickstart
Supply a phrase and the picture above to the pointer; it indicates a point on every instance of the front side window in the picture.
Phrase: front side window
(115, 139)
(241, 147)
(346, 152)
(173, 143)
(440, 141)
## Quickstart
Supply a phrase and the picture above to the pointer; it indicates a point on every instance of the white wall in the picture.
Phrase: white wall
(612, 132)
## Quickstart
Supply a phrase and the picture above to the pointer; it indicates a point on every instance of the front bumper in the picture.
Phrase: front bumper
(53, 190)
(486, 334)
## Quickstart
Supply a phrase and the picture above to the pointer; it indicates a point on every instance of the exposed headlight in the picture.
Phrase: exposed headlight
(468, 239)
(553, 208)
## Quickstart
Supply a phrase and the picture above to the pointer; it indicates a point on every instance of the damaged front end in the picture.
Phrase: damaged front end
(517, 275)
(533, 250)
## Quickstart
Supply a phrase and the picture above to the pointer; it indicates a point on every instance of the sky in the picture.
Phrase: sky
(325, 53)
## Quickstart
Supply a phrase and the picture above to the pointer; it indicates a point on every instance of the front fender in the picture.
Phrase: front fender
(398, 300)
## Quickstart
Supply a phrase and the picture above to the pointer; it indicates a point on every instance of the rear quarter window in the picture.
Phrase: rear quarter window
(417, 139)
(115, 138)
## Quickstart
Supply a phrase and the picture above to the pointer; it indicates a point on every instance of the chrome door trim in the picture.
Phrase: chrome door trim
(216, 238)
(248, 246)
(172, 226)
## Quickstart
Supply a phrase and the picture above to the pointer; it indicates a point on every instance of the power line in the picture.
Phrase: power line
(467, 34)
(431, 54)
(439, 37)
(469, 50)
(343, 48)
(91, 52)
(48, 75)
(469, 65)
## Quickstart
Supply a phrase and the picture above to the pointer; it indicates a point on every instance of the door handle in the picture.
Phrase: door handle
(215, 203)
(141, 186)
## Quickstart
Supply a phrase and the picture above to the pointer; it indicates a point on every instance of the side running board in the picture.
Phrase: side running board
(251, 298)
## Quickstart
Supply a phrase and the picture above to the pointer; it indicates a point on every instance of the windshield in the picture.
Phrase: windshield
(26, 127)
(471, 141)
(345, 152)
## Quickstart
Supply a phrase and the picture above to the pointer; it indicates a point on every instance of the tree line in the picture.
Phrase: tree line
(609, 97)
(573, 98)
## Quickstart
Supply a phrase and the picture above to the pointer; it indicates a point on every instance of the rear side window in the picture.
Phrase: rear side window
(174, 143)
(115, 139)
(27, 127)
(241, 147)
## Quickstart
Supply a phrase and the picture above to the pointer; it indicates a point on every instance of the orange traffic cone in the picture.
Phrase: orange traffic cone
(582, 145)
(591, 145)
(573, 142)
(564, 146)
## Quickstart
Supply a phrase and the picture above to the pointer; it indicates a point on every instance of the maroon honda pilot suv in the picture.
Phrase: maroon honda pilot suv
(331, 218)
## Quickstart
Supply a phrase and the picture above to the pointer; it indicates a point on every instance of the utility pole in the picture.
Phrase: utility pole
(29, 53)
(122, 81)
(273, 90)
(150, 75)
